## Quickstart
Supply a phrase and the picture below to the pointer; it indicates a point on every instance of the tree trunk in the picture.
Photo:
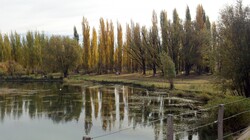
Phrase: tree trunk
(144, 67)
(65, 73)
(154, 70)
(171, 82)
(247, 87)
(187, 69)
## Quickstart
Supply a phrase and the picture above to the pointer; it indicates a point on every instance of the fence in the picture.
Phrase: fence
(170, 126)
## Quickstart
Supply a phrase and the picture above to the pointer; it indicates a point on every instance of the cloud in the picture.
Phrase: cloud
(59, 16)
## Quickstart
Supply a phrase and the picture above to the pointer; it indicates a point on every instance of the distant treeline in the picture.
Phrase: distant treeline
(192, 45)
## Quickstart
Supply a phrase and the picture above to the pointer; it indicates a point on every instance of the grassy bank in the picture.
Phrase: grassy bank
(199, 86)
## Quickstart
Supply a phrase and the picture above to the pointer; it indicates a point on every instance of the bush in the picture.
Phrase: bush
(14, 69)
(235, 123)
(3, 69)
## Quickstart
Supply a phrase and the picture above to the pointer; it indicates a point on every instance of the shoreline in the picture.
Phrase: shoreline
(29, 79)
(199, 87)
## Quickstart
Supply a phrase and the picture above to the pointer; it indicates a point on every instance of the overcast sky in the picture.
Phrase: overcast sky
(60, 16)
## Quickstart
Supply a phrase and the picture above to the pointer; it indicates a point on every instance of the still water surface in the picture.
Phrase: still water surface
(46, 111)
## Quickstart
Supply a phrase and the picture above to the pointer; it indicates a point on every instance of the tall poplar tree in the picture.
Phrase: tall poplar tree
(86, 43)
(176, 40)
(76, 35)
(119, 47)
(164, 31)
(7, 48)
(189, 52)
(101, 47)
(94, 50)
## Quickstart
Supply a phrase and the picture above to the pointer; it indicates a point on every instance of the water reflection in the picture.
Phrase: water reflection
(107, 107)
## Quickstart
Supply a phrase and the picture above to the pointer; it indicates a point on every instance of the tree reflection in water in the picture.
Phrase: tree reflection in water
(115, 107)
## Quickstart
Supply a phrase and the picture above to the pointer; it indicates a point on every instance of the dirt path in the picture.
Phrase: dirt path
(245, 135)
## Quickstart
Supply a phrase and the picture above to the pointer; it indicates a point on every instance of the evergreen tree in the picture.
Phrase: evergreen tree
(76, 35)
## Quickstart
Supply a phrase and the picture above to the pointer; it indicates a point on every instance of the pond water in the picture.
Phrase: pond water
(53, 111)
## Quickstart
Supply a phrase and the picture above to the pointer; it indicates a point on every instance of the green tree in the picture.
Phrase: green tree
(215, 56)
(188, 51)
(152, 43)
(234, 27)
(76, 35)
(62, 55)
(7, 48)
(176, 40)
(15, 41)
(1, 48)
(137, 50)
(37, 48)
(168, 68)
(126, 59)
(164, 31)
(202, 40)
(31, 50)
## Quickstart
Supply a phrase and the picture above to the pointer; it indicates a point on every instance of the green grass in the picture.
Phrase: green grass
(198, 86)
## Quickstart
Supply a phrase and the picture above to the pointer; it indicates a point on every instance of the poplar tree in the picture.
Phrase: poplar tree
(76, 35)
(111, 43)
(94, 50)
(86, 43)
(1, 48)
(201, 41)
(164, 31)
(101, 47)
(176, 40)
(189, 52)
(127, 45)
(7, 49)
(119, 47)
(153, 45)
(15, 41)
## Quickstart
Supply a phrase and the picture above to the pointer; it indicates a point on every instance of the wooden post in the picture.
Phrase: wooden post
(86, 138)
(170, 127)
(220, 121)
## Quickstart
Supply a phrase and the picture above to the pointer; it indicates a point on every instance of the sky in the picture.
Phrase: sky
(60, 16)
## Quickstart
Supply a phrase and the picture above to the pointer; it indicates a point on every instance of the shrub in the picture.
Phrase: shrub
(233, 124)
(3, 69)
(14, 69)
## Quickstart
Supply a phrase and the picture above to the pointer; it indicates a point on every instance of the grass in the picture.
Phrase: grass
(200, 86)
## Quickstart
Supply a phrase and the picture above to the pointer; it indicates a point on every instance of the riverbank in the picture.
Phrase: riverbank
(195, 86)
(31, 79)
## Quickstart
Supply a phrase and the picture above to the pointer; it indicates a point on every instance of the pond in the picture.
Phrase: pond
(40, 111)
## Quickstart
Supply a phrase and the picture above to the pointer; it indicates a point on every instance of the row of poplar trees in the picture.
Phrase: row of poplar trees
(168, 46)
(189, 44)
